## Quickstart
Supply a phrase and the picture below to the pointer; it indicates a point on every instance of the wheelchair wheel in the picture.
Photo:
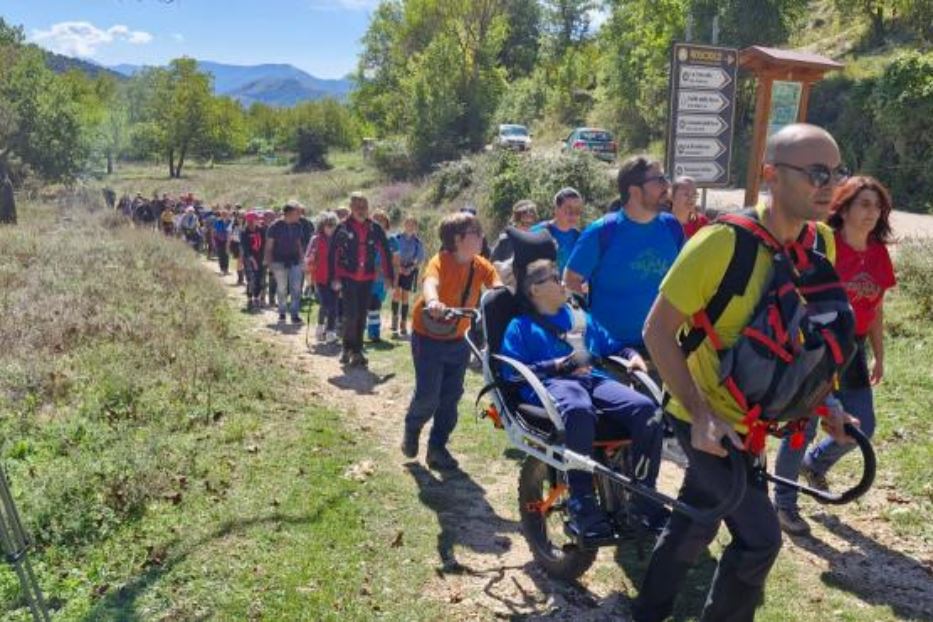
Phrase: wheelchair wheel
(542, 499)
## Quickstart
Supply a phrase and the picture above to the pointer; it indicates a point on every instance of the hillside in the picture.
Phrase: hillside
(60, 63)
(273, 84)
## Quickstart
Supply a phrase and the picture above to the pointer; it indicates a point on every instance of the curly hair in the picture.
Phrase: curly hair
(844, 197)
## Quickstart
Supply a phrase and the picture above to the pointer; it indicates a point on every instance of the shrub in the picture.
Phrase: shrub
(538, 177)
(915, 272)
(450, 179)
(312, 150)
(392, 159)
(510, 182)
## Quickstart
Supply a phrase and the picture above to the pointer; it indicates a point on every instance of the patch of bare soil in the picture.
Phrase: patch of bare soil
(485, 570)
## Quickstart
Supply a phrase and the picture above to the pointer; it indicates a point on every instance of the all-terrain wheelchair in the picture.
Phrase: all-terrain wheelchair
(538, 432)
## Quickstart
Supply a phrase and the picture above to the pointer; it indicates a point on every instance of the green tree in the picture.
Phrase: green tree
(519, 53)
(40, 126)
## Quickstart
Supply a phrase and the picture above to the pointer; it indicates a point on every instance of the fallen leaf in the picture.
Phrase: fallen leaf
(397, 540)
(360, 471)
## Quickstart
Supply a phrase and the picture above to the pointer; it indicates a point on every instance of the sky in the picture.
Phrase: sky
(321, 37)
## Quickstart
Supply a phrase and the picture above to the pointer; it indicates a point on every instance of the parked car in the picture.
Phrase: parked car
(597, 141)
(513, 136)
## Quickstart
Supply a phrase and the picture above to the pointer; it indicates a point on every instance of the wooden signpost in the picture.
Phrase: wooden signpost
(781, 97)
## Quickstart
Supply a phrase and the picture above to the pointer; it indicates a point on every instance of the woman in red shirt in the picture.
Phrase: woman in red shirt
(684, 206)
(860, 215)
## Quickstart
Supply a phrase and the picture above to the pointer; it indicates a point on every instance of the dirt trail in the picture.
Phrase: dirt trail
(485, 570)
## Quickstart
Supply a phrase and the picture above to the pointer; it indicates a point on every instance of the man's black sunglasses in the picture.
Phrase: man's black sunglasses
(662, 178)
(820, 175)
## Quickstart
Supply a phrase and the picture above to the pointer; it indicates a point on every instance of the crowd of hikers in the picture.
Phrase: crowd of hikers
(650, 269)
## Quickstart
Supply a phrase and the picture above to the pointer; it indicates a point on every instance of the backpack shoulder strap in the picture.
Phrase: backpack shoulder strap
(736, 276)
(607, 230)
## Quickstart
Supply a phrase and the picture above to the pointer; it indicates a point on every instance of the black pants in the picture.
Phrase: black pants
(738, 585)
(255, 279)
(327, 312)
(356, 296)
(223, 257)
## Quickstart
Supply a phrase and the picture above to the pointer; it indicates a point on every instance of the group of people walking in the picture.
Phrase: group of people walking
(647, 269)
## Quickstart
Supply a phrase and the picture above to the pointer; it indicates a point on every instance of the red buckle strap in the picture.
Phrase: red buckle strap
(777, 325)
(763, 339)
(701, 319)
(833, 346)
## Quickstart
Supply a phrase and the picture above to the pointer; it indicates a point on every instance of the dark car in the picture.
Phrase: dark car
(597, 141)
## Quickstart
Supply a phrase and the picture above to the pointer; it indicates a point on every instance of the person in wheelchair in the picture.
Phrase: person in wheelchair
(561, 344)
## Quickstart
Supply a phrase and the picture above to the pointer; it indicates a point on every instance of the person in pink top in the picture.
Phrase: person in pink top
(317, 269)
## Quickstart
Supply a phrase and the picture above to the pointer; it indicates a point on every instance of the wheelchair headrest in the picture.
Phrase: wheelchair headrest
(499, 306)
(528, 247)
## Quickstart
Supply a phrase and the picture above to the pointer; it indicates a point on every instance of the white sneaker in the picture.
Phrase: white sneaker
(331, 337)
(319, 332)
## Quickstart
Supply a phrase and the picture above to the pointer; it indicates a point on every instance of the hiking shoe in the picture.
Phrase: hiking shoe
(345, 357)
(403, 331)
(587, 519)
(358, 360)
(296, 319)
(814, 479)
(410, 443)
(793, 523)
(281, 318)
(331, 336)
(439, 458)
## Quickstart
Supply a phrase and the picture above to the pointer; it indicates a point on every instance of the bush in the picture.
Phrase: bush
(450, 179)
(510, 182)
(312, 151)
(915, 272)
(538, 177)
(884, 126)
(392, 159)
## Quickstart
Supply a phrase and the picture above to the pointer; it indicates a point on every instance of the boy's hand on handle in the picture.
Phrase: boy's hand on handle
(436, 309)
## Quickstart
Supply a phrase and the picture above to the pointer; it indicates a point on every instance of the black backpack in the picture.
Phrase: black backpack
(800, 338)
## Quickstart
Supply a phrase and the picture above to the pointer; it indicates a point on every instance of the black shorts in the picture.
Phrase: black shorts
(408, 282)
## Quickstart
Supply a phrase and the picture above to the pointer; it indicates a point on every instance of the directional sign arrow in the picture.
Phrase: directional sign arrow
(700, 77)
(700, 171)
(701, 101)
(703, 148)
(700, 125)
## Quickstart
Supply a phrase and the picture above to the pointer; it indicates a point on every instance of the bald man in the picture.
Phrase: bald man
(801, 169)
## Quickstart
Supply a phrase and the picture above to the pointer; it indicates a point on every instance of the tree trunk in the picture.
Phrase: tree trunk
(877, 25)
(171, 163)
(181, 161)
(109, 162)
(7, 198)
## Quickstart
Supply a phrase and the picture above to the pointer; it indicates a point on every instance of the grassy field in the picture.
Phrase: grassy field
(168, 464)
(173, 466)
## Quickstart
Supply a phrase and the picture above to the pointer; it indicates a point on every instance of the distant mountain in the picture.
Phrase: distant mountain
(272, 84)
(61, 64)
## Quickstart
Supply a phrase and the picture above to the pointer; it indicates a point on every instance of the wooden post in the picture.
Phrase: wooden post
(804, 101)
(760, 135)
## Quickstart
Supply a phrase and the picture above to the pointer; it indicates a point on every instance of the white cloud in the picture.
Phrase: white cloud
(344, 5)
(83, 38)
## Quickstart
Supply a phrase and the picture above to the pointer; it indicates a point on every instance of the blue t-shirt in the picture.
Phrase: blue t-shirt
(409, 248)
(527, 341)
(565, 241)
(624, 277)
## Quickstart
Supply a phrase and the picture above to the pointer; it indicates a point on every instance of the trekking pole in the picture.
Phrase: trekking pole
(15, 543)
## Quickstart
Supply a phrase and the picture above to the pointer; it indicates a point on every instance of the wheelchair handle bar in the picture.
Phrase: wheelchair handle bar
(869, 465)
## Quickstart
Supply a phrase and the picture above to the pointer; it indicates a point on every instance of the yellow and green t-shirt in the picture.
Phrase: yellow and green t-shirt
(690, 285)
